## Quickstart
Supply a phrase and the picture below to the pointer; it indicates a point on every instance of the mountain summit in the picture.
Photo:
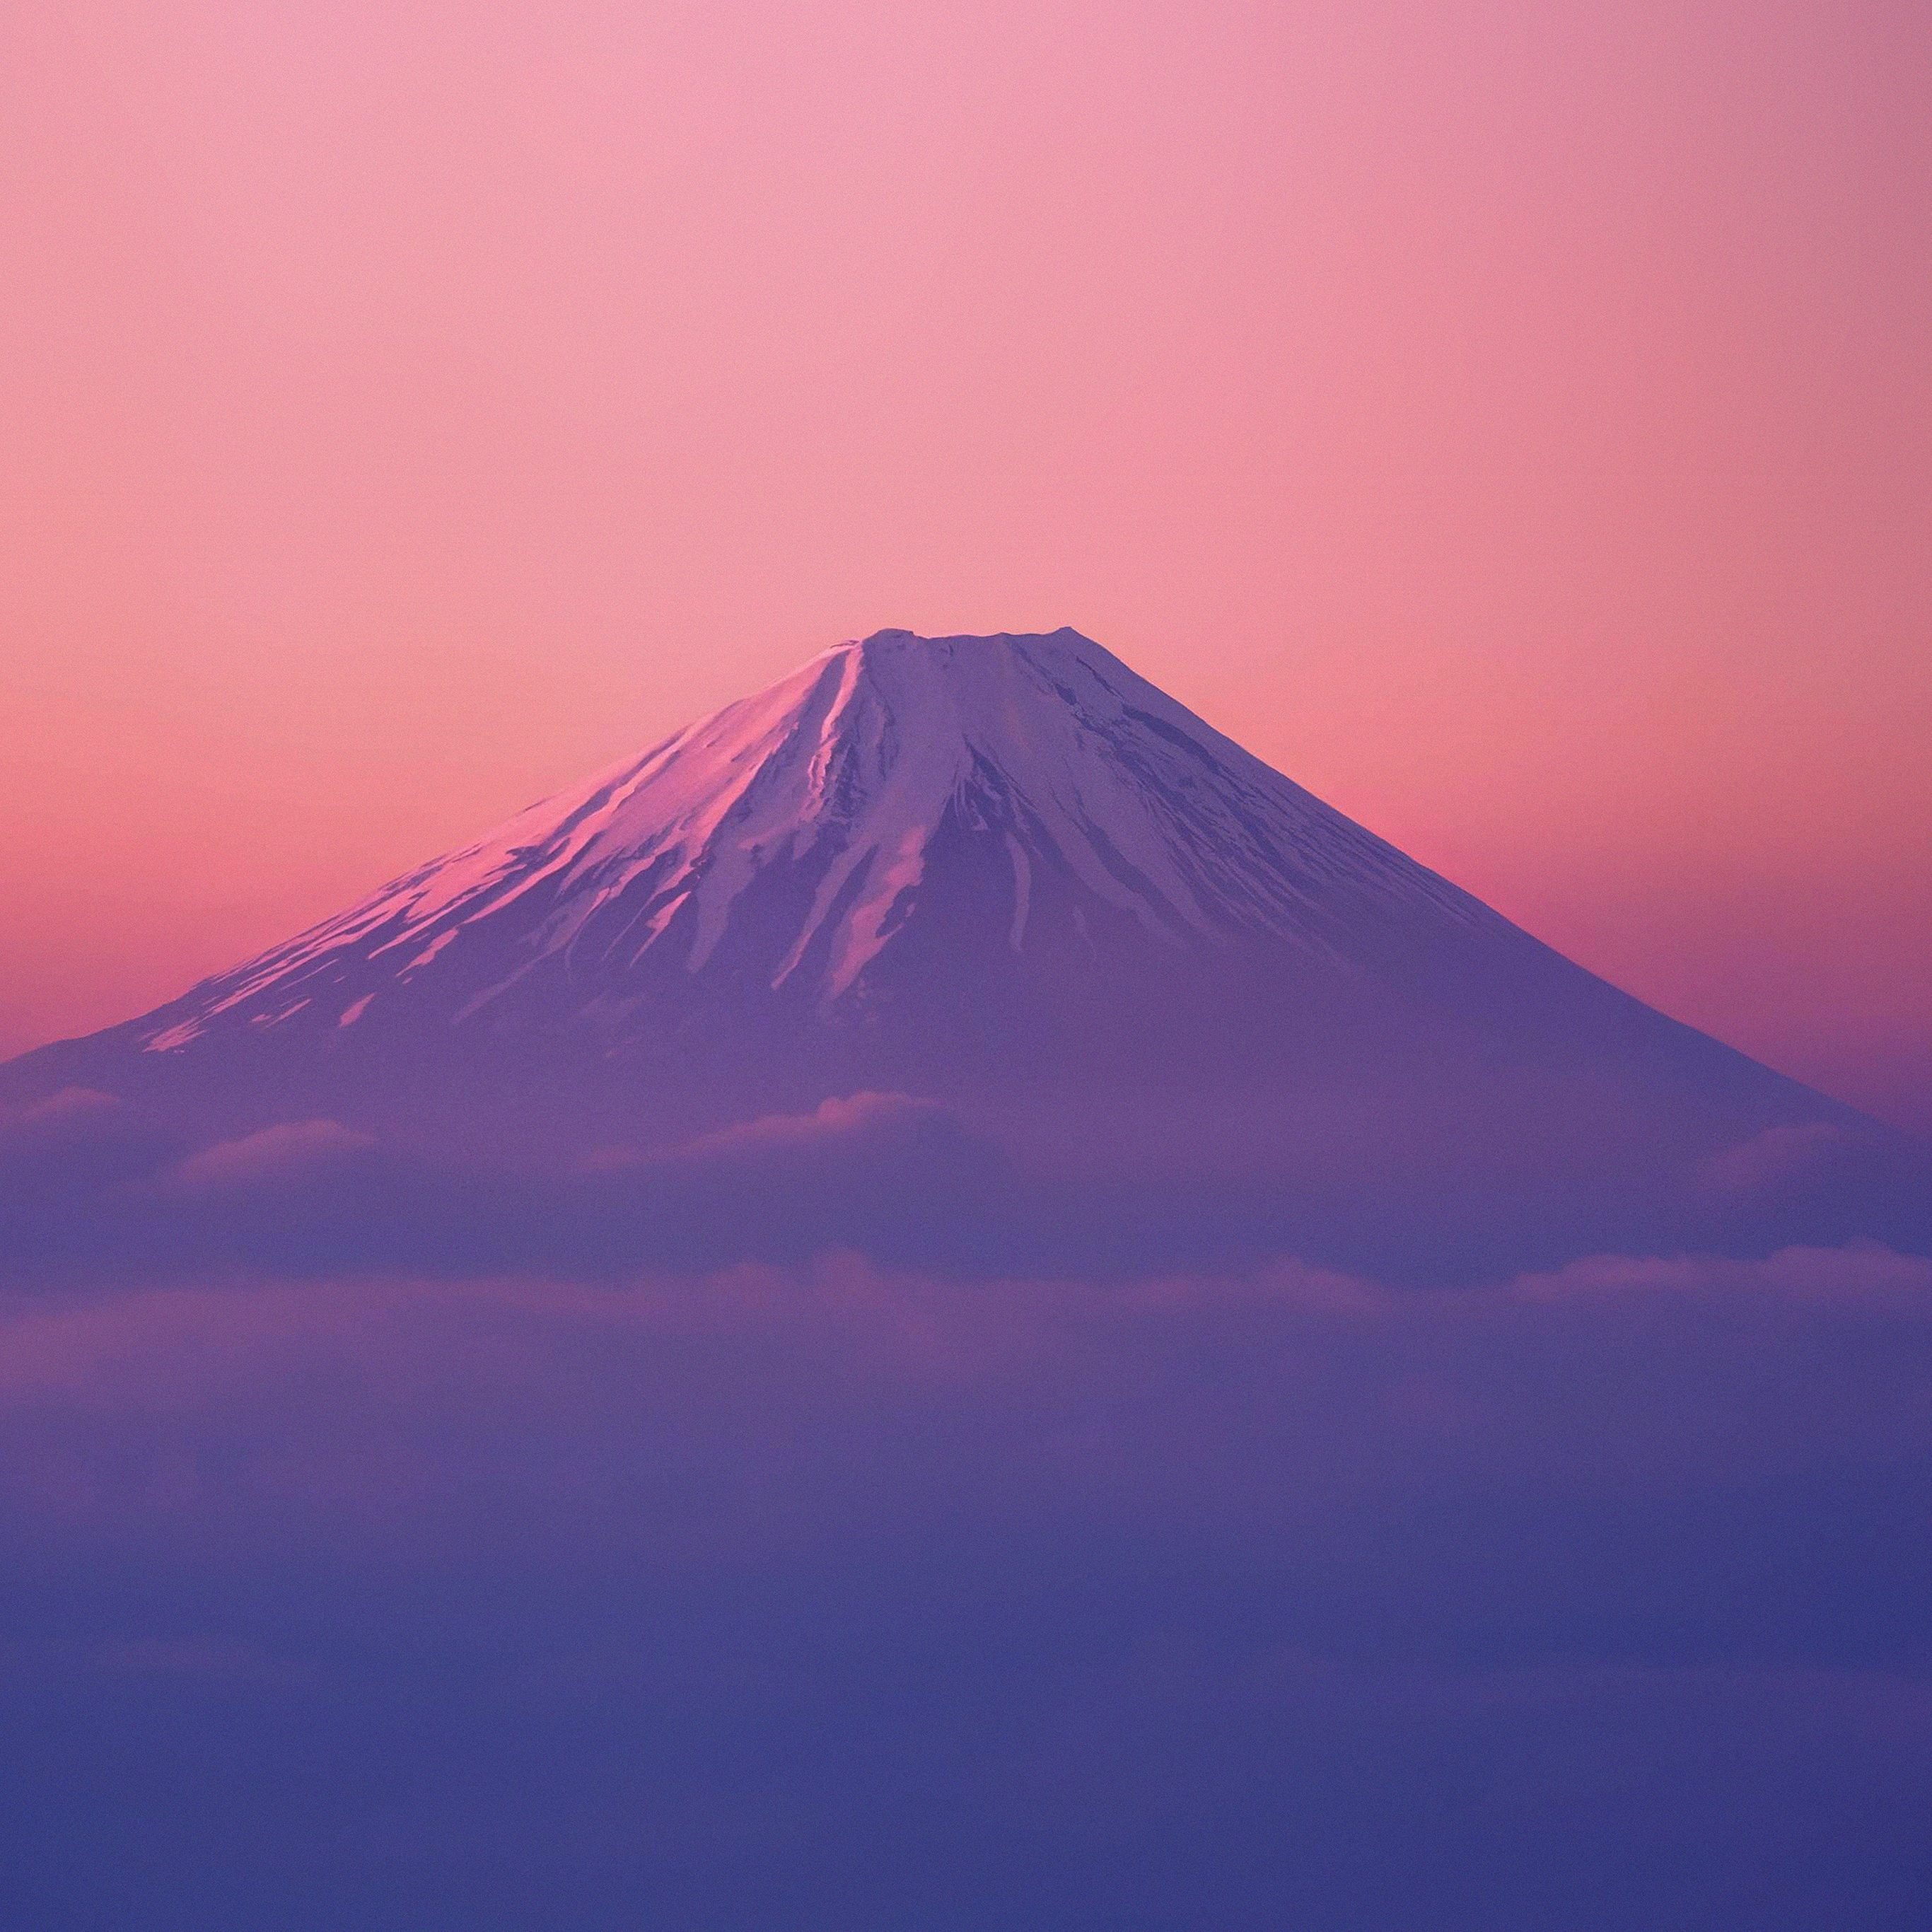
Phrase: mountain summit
(1032, 791)
(1004, 877)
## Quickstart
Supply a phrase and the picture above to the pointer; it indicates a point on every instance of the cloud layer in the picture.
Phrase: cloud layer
(844, 1597)
(92, 1186)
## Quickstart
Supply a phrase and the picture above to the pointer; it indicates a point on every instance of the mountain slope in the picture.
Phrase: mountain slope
(788, 839)
(1004, 875)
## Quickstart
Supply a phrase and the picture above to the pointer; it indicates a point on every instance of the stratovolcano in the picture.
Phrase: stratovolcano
(1005, 878)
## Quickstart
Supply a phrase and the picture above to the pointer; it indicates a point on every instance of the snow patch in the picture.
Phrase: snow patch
(860, 765)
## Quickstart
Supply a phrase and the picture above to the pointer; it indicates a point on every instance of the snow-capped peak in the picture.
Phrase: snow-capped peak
(797, 831)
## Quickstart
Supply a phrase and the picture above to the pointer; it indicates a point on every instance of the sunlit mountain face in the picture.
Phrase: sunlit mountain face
(979, 951)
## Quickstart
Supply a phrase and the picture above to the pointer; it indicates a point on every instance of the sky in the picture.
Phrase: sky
(1513, 421)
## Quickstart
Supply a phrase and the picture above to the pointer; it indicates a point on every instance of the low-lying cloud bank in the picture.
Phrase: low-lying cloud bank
(91, 1187)
(839, 1596)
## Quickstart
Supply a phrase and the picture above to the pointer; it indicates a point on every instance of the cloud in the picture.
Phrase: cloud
(90, 1187)
(295, 1150)
(1776, 1155)
(93, 1186)
(1285, 1391)
(832, 1595)
(60, 1114)
(835, 1119)
(905, 1180)
(78, 1137)
(64, 1163)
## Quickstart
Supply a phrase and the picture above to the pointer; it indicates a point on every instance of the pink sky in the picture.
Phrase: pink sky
(1516, 422)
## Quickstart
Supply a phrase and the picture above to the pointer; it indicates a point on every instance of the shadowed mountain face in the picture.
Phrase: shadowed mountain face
(1135, 995)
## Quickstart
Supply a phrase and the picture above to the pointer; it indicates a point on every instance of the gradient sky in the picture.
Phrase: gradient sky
(1515, 422)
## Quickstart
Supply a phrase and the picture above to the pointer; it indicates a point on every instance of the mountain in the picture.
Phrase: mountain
(1005, 877)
